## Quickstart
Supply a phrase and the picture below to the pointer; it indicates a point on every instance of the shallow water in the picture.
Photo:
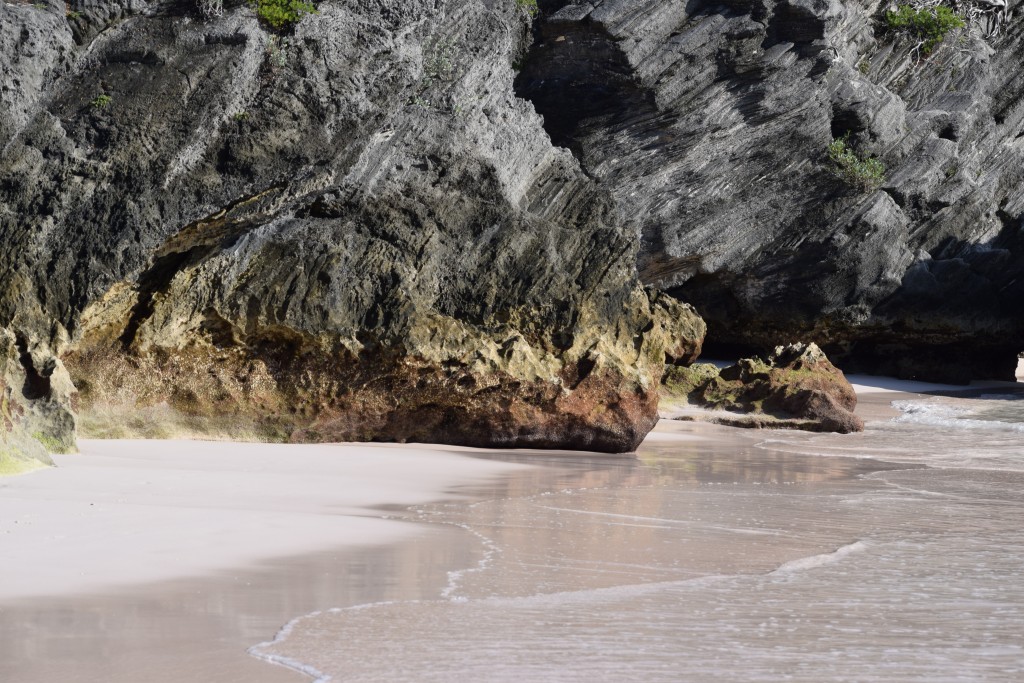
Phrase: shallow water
(718, 554)
(992, 412)
(697, 568)
(983, 432)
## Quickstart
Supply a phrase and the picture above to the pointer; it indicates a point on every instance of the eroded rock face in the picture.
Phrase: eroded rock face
(794, 387)
(709, 124)
(354, 232)
(35, 397)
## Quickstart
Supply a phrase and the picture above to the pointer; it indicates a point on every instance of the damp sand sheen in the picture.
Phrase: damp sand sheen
(715, 554)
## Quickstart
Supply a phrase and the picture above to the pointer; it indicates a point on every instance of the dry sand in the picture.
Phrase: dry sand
(124, 512)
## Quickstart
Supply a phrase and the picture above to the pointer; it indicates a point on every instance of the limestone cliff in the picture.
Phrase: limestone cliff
(441, 219)
(709, 122)
(350, 229)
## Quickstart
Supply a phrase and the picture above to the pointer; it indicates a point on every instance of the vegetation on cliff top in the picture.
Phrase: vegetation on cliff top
(928, 25)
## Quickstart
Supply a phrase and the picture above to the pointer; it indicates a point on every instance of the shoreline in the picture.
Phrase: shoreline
(388, 537)
(183, 627)
(175, 557)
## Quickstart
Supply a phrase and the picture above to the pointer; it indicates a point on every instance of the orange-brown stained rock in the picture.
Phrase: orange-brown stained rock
(592, 385)
(318, 397)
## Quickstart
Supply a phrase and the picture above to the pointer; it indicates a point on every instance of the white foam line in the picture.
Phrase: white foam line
(625, 565)
(922, 492)
(671, 523)
(790, 448)
(287, 662)
(815, 561)
(636, 590)
(609, 593)
(593, 570)
(455, 576)
(561, 598)
(286, 630)
(613, 514)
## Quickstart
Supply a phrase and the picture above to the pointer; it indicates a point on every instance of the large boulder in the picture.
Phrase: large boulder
(349, 230)
(794, 387)
(710, 123)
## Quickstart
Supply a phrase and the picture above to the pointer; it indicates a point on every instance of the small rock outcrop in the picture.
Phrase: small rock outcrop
(351, 229)
(35, 395)
(795, 387)
(710, 123)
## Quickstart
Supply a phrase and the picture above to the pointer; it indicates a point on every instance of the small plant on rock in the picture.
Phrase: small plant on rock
(529, 6)
(102, 101)
(440, 63)
(928, 25)
(277, 53)
(280, 14)
(210, 8)
(863, 173)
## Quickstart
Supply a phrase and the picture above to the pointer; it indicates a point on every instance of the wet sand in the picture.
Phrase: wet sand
(724, 557)
(55, 625)
(99, 604)
(165, 561)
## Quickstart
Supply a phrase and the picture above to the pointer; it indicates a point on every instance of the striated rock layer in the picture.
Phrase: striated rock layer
(709, 123)
(352, 231)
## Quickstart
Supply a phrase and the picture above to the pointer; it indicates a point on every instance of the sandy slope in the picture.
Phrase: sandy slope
(124, 512)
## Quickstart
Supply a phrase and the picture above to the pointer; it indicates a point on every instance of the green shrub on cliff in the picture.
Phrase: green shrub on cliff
(860, 172)
(281, 14)
(440, 62)
(529, 5)
(929, 25)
